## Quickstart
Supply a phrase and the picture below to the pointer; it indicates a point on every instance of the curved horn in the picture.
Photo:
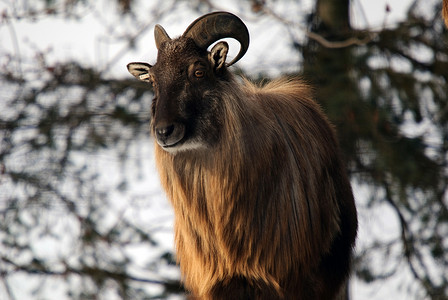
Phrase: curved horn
(160, 36)
(218, 25)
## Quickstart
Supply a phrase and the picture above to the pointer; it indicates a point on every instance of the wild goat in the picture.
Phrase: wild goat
(263, 206)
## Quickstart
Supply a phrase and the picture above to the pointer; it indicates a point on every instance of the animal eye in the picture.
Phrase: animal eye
(199, 73)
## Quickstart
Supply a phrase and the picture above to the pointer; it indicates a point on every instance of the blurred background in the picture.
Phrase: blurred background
(82, 215)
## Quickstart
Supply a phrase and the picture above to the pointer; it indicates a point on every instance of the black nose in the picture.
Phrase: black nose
(165, 132)
(169, 134)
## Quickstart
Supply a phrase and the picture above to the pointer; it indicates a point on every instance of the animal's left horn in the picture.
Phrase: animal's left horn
(218, 25)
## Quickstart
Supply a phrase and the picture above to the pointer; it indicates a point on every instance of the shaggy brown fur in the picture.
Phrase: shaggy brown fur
(267, 212)
(263, 206)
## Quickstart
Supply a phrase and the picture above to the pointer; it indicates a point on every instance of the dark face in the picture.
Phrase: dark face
(185, 110)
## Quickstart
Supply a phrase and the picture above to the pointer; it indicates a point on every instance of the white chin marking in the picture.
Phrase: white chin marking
(187, 146)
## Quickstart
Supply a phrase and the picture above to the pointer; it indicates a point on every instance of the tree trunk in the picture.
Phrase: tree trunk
(329, 69)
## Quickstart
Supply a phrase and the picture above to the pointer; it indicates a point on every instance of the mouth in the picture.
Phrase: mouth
(183, 146)
(170, 146)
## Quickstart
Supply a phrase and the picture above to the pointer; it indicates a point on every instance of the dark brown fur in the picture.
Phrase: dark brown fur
(267, 211)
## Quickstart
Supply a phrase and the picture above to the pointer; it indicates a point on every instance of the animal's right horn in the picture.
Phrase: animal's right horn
(160, 36)
(218, 25)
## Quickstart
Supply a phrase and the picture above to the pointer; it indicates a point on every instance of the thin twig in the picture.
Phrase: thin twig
(340, 44)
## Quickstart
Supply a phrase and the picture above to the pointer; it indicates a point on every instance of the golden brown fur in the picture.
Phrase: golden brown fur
(267, 212)
(445, 12)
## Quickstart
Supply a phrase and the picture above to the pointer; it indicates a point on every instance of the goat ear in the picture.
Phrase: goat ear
(218, 55)
(140, 70)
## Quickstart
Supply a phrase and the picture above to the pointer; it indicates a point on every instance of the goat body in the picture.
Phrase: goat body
(263, 206)
(268, 213)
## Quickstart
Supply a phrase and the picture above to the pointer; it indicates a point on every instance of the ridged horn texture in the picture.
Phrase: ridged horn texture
(218, 25)
(160, 36)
